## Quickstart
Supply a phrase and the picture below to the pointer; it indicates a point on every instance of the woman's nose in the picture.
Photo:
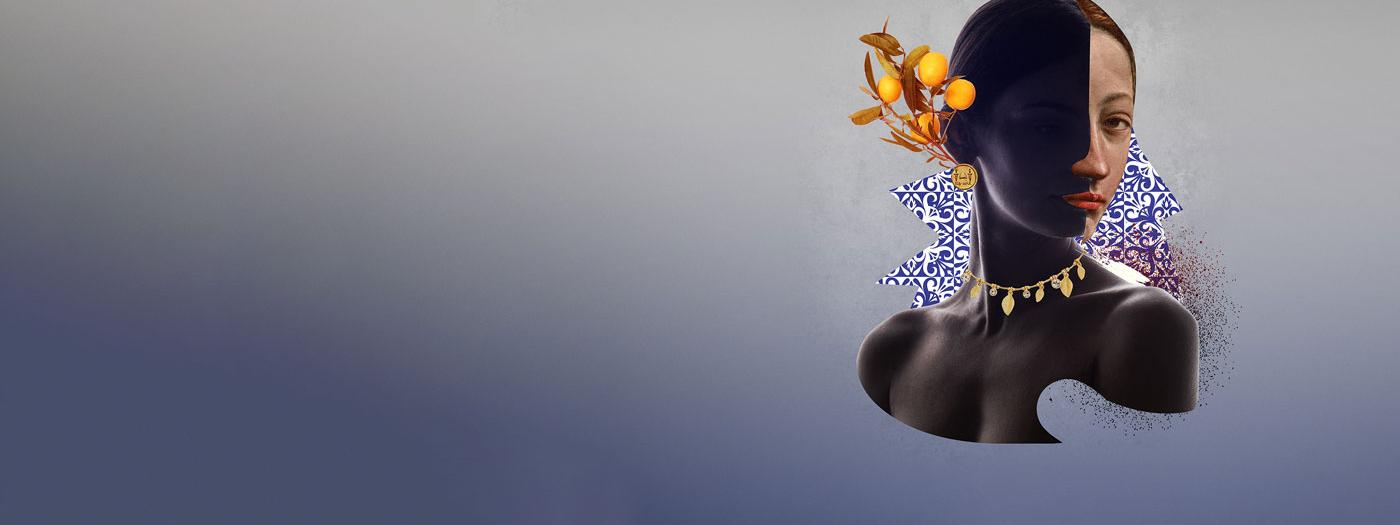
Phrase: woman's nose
(1093, 165)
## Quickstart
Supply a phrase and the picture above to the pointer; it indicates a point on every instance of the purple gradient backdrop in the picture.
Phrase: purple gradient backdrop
(526, 262)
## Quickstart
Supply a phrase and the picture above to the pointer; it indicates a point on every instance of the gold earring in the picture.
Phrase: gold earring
(964, 176)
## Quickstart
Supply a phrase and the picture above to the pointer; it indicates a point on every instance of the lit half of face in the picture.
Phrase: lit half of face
(1110, 120)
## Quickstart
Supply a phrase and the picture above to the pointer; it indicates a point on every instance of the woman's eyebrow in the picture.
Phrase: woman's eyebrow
(1114, 97)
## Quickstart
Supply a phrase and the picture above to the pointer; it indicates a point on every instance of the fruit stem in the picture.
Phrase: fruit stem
(938, 151)
(943, 133)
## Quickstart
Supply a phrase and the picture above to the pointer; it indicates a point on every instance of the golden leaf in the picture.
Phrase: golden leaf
(904, 137)
(868, 92)
(1039, 293)
(1066, 286)
(870, 74)
(884, 42)
(939, 89)
(1008, 303)
(976, 289)
(866, 116)
(914, 132)
(1081, 270)
(916, 54)
(889, 67)
(907, 145)
(913, 89)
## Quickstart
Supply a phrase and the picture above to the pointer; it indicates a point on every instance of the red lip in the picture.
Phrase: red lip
(1087, 200)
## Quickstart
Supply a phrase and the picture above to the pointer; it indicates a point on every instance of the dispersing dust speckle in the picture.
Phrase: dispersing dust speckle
(1201, 280)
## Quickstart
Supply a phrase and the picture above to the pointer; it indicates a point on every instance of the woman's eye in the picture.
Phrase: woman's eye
(1118, 123)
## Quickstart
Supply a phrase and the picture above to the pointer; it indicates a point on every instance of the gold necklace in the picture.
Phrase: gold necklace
(1058, 279)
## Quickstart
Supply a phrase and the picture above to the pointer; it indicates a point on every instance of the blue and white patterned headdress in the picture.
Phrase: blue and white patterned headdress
(1130, 231)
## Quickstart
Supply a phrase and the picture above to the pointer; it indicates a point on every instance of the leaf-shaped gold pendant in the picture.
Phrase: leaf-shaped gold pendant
(1039, 293)
(1066, 286)
(1008, 303)
(1081, 270)
(976, 289)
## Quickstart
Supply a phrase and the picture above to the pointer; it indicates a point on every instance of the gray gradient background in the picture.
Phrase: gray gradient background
(529, 262)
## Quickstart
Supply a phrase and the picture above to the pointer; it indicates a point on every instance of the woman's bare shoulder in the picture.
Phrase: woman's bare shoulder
(1134, 301)
(889, 345)
(1151, 362)
(904, 328)
(1143, 307)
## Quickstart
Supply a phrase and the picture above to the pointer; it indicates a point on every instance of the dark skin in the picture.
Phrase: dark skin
(963, 369)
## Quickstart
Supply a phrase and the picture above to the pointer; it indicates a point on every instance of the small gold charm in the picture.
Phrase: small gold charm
(964, 176)
(1060, 280)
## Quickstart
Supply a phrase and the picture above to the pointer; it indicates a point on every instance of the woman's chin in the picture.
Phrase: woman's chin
(1060, 230)
(1068, 225)
(1055, 219)
(1091, 224)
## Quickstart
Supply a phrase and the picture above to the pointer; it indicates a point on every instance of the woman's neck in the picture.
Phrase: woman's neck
(1008, 254)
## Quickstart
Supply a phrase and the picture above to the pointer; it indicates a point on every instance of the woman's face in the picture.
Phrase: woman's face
(1062, 130)
(1111, 121)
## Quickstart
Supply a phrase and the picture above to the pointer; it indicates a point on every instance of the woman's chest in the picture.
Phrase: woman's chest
(1044, 353)
(966, 386)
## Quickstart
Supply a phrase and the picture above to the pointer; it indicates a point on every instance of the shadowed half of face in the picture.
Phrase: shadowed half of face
(1030, 60)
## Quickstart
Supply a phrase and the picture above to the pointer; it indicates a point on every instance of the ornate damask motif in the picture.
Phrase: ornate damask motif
(937, 270)
(1130, 231)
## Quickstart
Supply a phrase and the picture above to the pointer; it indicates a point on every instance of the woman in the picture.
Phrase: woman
(1049, 137)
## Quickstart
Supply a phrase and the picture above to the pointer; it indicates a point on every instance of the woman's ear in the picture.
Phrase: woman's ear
(962, 143)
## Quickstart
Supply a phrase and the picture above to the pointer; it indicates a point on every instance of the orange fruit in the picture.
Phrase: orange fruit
(933, 68)
(889, 89)
(928, 125)
(960, 94)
